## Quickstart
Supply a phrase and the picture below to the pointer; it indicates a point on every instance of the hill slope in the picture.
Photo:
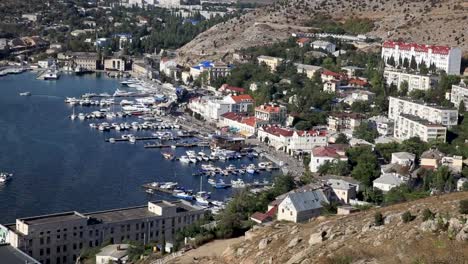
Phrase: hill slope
(355, 238)
(425, 21)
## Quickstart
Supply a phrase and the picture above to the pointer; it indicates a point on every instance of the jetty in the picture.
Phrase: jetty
(178, 145)
(157, 188)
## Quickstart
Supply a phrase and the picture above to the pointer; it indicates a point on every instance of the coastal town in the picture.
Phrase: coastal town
(325, 123)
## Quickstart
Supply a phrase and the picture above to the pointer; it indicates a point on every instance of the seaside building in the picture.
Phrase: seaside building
(430, 112)
(408, 126)
(458, 94)
(211, 108)
(444, 58)
(272, 113)
(415, 81)
(241, 123)
(59, 238)
(114, 64)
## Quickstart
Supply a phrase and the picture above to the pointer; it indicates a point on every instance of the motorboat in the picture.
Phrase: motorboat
(132, 139)
(168, 185)
(184, 159)
(239, 183)
(193, 159)
(81, 116)
(262, 165)
(221, 185)
(25, 94)
(201, 201)
(251, 169)
(168, 156)
(4, 177)
(112, 140)
(183, 195)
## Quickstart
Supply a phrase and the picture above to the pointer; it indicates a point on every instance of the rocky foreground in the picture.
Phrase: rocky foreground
(357, 239)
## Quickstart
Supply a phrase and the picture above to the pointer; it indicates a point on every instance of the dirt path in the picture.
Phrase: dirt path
(212, 249)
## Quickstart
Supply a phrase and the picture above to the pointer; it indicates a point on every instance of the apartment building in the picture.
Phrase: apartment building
(383, 125)
(211, 108)
(114, 64)
(444, 58)
(430, 112)
(408, 126)
(344, 121)
(323, 154)
(59, 238)
(272, 113)
(271, 62)
(241, 123)
(308, 70)
(415, 81)
(214, 70)
(458, 94)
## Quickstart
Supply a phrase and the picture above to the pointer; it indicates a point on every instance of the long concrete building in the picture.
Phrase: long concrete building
(430, 112)
(60, 238)
(458, 94)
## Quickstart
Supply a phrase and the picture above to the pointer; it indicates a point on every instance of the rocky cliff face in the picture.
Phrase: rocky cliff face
(425, 21)
(356, 239)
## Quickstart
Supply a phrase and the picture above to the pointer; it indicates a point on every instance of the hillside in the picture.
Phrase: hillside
(425, 21)
(356, 239)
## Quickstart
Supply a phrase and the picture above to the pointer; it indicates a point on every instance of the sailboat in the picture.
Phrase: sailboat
(202, 197)
(73, 115)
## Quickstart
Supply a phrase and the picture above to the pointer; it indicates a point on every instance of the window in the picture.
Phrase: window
(64, 248)
(47, 251)
(58, 236)
(41, 241)
(58, 249)
(41, 252)
(112, 230)
(137, 226)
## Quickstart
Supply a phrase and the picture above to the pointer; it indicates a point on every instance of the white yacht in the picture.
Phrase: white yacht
(4, 177)
(184, 159)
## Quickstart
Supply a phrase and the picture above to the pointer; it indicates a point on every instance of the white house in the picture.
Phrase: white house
(308, 70)
(403, 158)
(45, 63)
(387, 181)
(271, 62)
(116, 253)
(343, 190)
(168, 66)
(272, 113)
(210, 107)
(321, 155)
(241, 123)
(444, 58)
(325, 45)
(301, 206)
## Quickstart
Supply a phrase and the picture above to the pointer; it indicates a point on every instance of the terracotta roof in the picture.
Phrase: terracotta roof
(268, 108)
(260, 217)
(250, 121)
(232, 88)
(278, 131)
(358, 82)
(303, 40)
(325, 152)
(242, 98)
(444, 50)
(334, 74)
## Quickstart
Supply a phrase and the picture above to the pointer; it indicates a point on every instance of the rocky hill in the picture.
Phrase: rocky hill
(425, 21)
(356, 239)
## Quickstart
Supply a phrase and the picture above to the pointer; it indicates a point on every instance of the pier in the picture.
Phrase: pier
(178, 145)
(157, 188)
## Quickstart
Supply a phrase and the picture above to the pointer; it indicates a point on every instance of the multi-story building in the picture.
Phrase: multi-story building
(324, 45)
(59, 238)
(272, 113)
(211, 108)
(458, 94)
(431, 112)
(444, 58)
(408, 126)
(292, 141)
(383, 125)
(241, 123)
(344, 121)
(415, 81)
(114, 64)
(321, 155)
(213, 70)
(271, 62)
(308, 70)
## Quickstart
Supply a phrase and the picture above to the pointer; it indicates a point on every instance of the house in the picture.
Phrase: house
(340, 121)
(271, 62)
(331, 76)
(431, 159)
(116, 253)
(324, 45)
(262, 218)
(352, 71)
(240, 103)
(383, 125)
(357, 83)
(228, 89)
(308, 70)
(403, 158)
(343, 191)
(387, 181)
(454, 163)
(302, 42)
(272, 113)
(331, 86)
(301, 206)
(114, 64)
(168, 66)
(359, 95)
(213, 70)
(241, 123)
(320, 155)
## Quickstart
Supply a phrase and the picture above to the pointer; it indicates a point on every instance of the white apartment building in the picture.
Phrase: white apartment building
(383, 125)
(408, 126)
(320, 155)
(444, 58)
(459, 93)
(60, 238)
(415, 81)
(211, 108)
(431, 112)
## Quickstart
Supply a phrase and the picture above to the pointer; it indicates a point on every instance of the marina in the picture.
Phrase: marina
(48, 147)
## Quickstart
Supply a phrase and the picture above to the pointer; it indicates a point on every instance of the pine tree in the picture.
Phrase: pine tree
(413, 63)
(406, 63)
(461, 108)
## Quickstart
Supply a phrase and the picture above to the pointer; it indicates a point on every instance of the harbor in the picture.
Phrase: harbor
(37, 131)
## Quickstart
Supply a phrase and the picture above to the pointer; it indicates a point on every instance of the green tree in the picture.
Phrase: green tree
(461, 107)
(463, 206)
(341, 139)
(366, 131)
(378, 219)
(413, 63)
(423, 69)
(427, 214)
(403, 88)
(406, 63)
(373, 195)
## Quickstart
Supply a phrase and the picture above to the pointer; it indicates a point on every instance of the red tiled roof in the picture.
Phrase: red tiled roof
(316, 133)
(272, 211)
(325, 152)
(444, 50)
(268, 108)
(250, 121)
(242, 98)
(334, 74)
(278, 131)
(303, 40)
(260, 217)
(232, 88)
(358, 82)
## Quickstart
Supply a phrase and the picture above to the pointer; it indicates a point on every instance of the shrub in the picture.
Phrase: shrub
(427, 215)
(407, 217)
(378, 219)
(463, 207)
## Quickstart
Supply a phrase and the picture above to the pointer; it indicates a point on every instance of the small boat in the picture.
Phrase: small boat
(250, 169)
(132, 139)
(168, 185)
(168, 156)
(150, 191)
(112, 140)
(4, 177)
(183, 195)
(173, 146)
(193, 159)
(262, 165)
(184, 159)
(202, 201)
(239, 183)
(206, 158)
(25, 94)
(221, 185)
(81, 116)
